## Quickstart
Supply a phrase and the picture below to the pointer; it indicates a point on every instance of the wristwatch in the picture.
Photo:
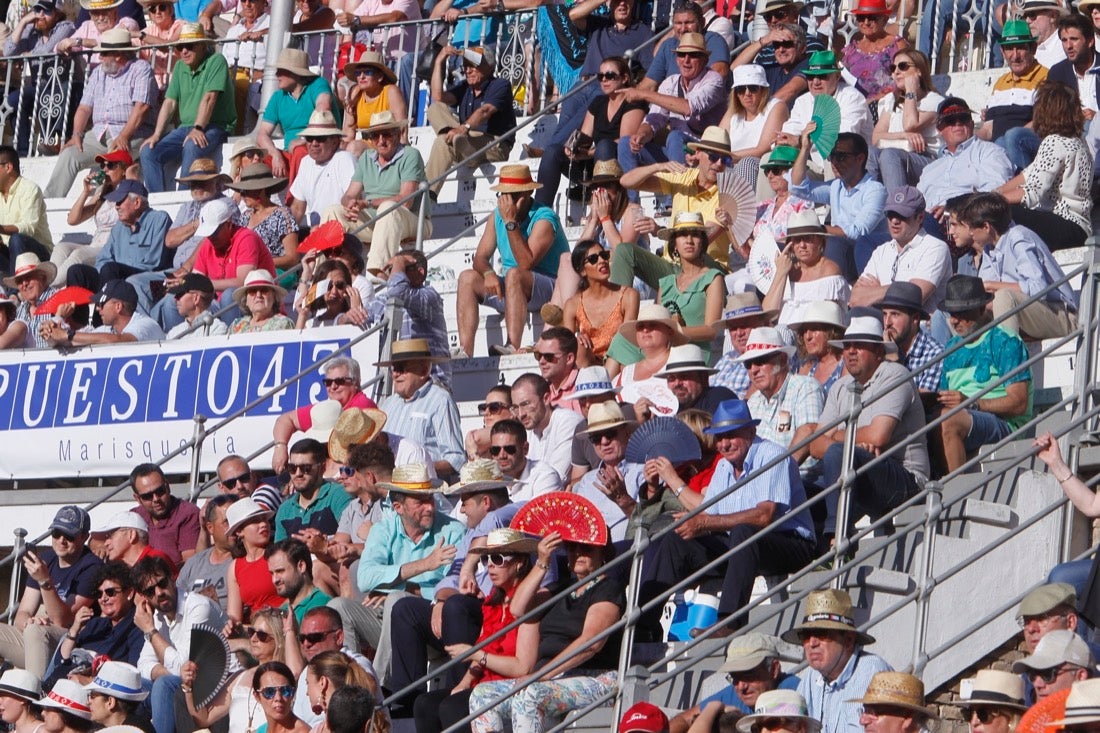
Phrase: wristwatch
(511, 226)
(149, 634)
(910, 95)
(200, 128)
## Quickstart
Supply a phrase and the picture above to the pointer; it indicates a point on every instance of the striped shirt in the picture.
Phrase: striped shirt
(430, 417)
(112, 98)
(830, 702)
(1013, 100)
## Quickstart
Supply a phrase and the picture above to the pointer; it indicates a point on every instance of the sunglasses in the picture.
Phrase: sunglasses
(339, 285)
(494, 450)
(378, 134)
(162, 584)
(840, 155)
(57, 534)
(109, 592)
(338, 381)
(597, 438)
(901, 66)
(300, 467)
(284, 691)
(984, 715)
(263, 636)
(608, 75)
(346, 471)
(715, 157)
(497, 559)
(111, 165)
(369, 71)
(952, 120)
(1047, 675)
(231, 483)
(186, 47)
(597, 256)
(772, 15)
(753, 88)
(869, 18)
(400, 368)
(315, 638)
(547, 356)
(492, 408)
(161, 490)
(690, 55)
(160, 8)
(783, 44)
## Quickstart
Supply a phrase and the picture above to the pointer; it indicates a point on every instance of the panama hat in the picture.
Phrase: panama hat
(771, 5)
(827, 312)
(685, 358)
(27, 263)
(373, 60)
(411, 478)
(321, 124)
(22, 684)
(764, 341)
(996, 688)
(384, 120)
(202, 169)
(258, 279)
(1082, 704)
(192, 33)
(827, 609)
(653, 313)
(323, 417)
(864, 328)
(609, 171)
(115, 39)
(69, 696)
(295, 61)
(685, 221)
(896, 690)
(100, 5)
(476, 476)
(604, 416)
(118, 679)
(258, 177)
(803, 224)
(245, 145)
(590, 382)
(355, 426)
(715, 139)
(779, 704)
(741, 306)
(409, 350)
(749, 651)
(692, 43)
(506, 540)
(515, 179)
(243, 511)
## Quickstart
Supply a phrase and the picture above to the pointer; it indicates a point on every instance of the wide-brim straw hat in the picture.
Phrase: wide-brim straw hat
(384, 120)
(685, 358)
(115, 39)
(411, 350)
(515, 179)
(476, 476)
(243, 511)
(355, 426)
(412, 478)
(202, 169)
(507, 541)
(653, 313)
(827, 609)
(258, 279)
(787, 704)
(715, 139)
(100, 4)
(28, 262)
(604, 416)
(295, 61)
(192, 33)
(803, 224)
(741, 306)
(996, 688)
(685, 221)
(258, 177)
(609, 171)
(245, 145)
(763, 342)
(371, 59)
(896, 690)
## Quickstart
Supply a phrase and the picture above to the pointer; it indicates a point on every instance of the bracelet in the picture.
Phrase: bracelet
(484, 661)
(605, 219)
(186, 689)
(542, 565)
(280, 442)
(70, 637)
(677, 492)
(1067, 478)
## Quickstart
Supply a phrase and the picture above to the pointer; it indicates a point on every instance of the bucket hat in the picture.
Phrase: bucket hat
(243, 511)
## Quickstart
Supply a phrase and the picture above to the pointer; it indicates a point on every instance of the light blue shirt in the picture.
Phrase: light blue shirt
(633, 476)
(780, 484)
(423, 319)
(142, 247)
(857, 210)
(431, 419)
(1021, 257)
(388, 547)
(976, 165)
(495, 519)
(828, 701)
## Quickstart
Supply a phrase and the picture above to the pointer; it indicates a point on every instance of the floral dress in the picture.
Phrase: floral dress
(871, 70)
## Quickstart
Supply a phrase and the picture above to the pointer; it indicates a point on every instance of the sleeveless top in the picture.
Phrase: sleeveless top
(602, 334)
(745, 133)
(871, 70)
(365, 108)
(254, 580)
(691, 304)
(608, 129)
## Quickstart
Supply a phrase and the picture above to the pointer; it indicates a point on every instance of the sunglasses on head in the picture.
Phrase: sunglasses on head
(902, 66)
(260, 634)
(109, 592)
(231, 483)
(597, 438)
(57, 534)
(608, 75)
(597, 256)
(161, 490)
(300, 467)
(492, 408)
(338, 381)
(284, 691)
(162, 584)
(494, 450)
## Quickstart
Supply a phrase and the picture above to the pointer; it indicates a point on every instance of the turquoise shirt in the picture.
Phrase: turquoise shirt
(322, 515)
(984, 360)
(388, 547)
(315, 599)
(293, 114)
(548, 265)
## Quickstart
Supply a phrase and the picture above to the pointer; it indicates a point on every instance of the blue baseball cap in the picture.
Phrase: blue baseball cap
(124, 189)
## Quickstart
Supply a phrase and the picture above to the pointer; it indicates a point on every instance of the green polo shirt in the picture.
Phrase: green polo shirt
(322, 515)
(187, 86)
(315, 599)
(385, 182)
(293, 114)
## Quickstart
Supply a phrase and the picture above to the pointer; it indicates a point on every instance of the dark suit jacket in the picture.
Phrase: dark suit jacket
(1063, 72)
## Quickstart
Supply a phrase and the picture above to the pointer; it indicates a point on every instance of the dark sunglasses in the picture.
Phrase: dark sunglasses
(1046, 675)
(57, 534)
(984, 715)
(161, 490)
(380, 134)
(186, 47)
(952, 120)
(715, 157)
(838, 155)
(494, 450)
(400, 367)
(338, 381)
(300, 467)
(546, 356)
(111, 165)
(492, 408)
(901, 66)
(339, 285)
(597, 256)
(162, 584)
(315, 638)
(869, 18)
(109, 592)
(346, 471)
(597, 438)
(284, 691)
(160, 8)
(783, 44)
(263, 636)
(231, 483)
(690, 55)
(608, 75)
(369, 71)
(754, 88)
(772, 15)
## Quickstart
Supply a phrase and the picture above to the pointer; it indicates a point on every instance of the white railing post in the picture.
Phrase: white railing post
(926, 582)
(847, 479)
(196, 454)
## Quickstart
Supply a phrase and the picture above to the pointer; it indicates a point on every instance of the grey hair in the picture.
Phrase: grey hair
(796, 30)
(349, 364)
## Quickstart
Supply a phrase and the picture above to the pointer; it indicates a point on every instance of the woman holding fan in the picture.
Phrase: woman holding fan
(803, 274)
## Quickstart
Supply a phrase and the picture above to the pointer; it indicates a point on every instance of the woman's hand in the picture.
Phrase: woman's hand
(645, 225)
(547, 546)
(911, 84)
(188, 672)
(457, 650)
(601, 203)
(785, 262)
(80, 620)
(1047, 450)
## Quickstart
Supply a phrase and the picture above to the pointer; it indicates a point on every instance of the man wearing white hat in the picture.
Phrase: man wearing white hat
(126, 539)
(688, 377)
(325, 172)
(1060, 659)
(891, 413)
(741, 315)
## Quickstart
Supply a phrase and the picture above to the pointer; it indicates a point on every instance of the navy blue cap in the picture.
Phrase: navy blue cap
(124, 189)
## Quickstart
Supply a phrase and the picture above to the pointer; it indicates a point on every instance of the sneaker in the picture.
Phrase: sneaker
(458, 353)
(552, 315)
(502, 350)
(532, 151)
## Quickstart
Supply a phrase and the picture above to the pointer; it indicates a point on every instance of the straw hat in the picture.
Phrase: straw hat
(115, 39)
(68, 696)
(384, 120)
(590, 382)
(28, 262)
(864, 329)
(245, 145)
(258, 177)
(827, 609)
(693, 43)
(896, 690)
(803, 224)
(21, 684)
(609, 171)
(321, 124)
(515, 179)
(373, 60)
(822, 311)
(715, 139)
(685, 221)
(100, 4)
(506, 540)
(779, 704)
(685, 358)
(295, 61)
(243, 511)
(1082, 705)
(764, 341)
(202, 169)
(741, 306)
(604, 416)
(409, 350)
(324, 416)
(355, 426)
(653, 313)
(192, 33)
(258, 279)
(476, 476)
(413, 479)
(997, 688)
(118, 679)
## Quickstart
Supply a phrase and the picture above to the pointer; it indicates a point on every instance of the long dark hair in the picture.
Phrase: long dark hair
(577, 257)
(496, 596)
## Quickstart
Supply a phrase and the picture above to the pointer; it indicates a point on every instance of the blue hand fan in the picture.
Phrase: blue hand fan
(827, 116)
(663, 436)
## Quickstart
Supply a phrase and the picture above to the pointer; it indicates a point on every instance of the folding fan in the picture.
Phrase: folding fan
(826, 114)
(1038, 716)
(210, 651)
(71, 294)
(738, 198)
(663, 436)
(761, 262)
(329, 235)
(576, 518)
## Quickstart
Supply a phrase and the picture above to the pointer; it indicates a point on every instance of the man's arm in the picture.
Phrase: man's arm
(167, 112)
(645, 178)
(579, 13)
(759, 516)
(1013, 404)
(436, 84)
(878, 433)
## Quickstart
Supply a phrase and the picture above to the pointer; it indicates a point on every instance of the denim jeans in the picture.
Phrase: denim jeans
(173, 152)
(652, 152)
(1020, 144)
(162, 702)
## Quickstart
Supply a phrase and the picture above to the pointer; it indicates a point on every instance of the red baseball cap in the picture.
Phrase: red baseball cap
(645, 717)
(118, 156)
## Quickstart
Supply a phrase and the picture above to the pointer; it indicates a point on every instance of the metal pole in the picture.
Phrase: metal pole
(847, 478)
(630, 613)
(196, 454)
(17, 550)
(927, 582)
(424, 198)
(281, 12)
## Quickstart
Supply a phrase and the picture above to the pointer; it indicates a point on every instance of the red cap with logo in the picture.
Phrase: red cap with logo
(115, 156)
(645, 717)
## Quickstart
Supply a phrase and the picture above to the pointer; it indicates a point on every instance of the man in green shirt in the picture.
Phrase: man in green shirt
(201, 90)
(315, 503)
(292, 575)
(300, 92)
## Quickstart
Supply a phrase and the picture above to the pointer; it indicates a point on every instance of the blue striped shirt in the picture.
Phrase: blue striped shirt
(829, 701)
(430, 418)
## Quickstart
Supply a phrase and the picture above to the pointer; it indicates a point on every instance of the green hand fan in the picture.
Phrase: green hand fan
(827, 116)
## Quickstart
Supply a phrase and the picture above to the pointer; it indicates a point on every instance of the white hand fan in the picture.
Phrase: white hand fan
(761, 264)
(738, 198)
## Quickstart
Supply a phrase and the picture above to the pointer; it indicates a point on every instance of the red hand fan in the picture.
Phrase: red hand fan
(577, 519)
(329, 235)
(1050, 708)
(71, 294)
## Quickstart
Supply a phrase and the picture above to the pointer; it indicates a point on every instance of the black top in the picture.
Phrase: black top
(563, 623)
(496, 92)
(603, 128)
(711, 398)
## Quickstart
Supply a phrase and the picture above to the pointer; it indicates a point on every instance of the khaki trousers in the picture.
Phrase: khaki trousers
(445, 154)
(1043, 320)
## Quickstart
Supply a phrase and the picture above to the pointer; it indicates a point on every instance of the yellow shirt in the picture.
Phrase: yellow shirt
(364, 109)
(25, 209)
(688, 197)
